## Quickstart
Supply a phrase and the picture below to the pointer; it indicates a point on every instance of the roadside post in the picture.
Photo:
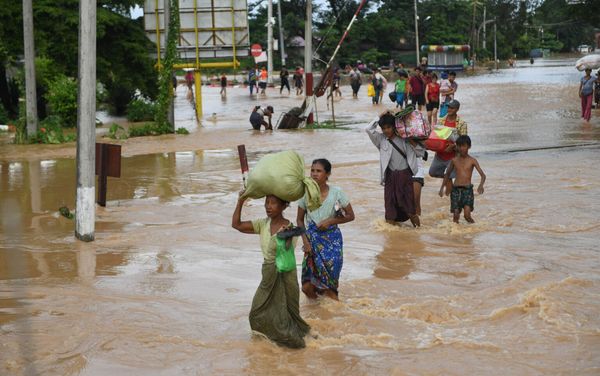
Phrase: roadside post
(243, 162)
(108, 163)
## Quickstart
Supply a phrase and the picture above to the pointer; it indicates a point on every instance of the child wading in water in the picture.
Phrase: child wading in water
(276, 305)
(462, 190)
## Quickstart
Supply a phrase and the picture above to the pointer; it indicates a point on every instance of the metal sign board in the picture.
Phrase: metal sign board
(108, 160)
(216, 27)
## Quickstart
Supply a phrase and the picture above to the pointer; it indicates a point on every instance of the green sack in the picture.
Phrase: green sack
(282, 175)
(285, 260)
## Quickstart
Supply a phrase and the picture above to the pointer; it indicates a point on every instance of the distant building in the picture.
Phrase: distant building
(445, 57)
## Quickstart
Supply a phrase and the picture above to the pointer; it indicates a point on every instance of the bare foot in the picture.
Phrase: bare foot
(416, 222)
(469, 219)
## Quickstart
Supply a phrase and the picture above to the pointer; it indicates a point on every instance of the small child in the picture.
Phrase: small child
(462, 189)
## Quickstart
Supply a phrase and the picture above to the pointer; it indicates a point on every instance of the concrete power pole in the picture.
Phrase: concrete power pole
(484, 31)
(30, 91)
(85, 214)
(167, 7)
(270, 43)
(417, 34)
(308, 81)
(281, 41)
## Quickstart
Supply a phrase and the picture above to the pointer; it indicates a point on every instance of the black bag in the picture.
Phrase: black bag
(392, 96)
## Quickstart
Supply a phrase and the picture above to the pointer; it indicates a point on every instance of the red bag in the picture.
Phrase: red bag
(439, 139)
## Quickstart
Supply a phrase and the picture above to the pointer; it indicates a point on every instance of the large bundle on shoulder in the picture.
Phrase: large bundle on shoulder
(282, 175)
(440, 138)
(588, 62)
(411, 123)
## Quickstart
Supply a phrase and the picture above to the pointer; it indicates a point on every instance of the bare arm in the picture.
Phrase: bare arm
(375, 136)
(446, 179)
(482, 174)
(236, 220)
(427, 94)
(300, 223)
(348, 217)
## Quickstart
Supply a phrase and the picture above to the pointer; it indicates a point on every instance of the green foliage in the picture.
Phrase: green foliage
(165, 74)
(141, 109)
(148, 129)
(51, 132)
(182, 131)
(62, 99)
(117, 132)
(3, 115)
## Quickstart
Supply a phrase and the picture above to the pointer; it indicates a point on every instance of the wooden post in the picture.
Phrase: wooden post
(243, 162)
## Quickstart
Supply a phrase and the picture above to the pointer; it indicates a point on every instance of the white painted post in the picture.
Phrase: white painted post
(86, 123)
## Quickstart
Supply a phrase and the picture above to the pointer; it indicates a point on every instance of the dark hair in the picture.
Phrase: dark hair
(418, 69)
(463, 140)
(434, 75)
(283, 202)
(387, 119)
(452, 73)
(270, 108)
(323, 162)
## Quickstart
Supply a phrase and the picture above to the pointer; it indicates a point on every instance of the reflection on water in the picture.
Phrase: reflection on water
(167, 286)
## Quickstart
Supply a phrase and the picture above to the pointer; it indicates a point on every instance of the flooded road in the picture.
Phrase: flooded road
(167, 286)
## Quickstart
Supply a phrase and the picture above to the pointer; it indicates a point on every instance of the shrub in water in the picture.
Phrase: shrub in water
(140, 109)
(62, 100)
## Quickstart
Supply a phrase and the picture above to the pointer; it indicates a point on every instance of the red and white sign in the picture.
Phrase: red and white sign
(256, 50)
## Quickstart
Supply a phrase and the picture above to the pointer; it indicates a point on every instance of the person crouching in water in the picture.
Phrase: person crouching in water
(257, 117)
(275, 309)
(398, 162)
(323, 242)
(462, 189)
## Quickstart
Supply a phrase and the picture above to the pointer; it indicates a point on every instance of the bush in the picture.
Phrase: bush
(51, 132)
(62, 100)
(3, 115)
(182, 131)
(141, 109)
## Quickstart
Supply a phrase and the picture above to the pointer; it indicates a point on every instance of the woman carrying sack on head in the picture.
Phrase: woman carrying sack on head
(323, 243)
(275, 309)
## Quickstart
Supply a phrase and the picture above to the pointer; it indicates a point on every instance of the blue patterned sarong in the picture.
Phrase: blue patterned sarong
(323, 266)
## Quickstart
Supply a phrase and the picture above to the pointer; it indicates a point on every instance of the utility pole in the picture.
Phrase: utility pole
(417, 34)
(167, 7)
(281, 41)
(495, 46)
(30, 91)
(308, 81)
(85, 215)
(484, 31)
(270, 43)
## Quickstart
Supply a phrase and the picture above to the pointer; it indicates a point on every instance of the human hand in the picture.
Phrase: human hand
(323, 225)
(480, 189)
(240, 194)
(441, 192)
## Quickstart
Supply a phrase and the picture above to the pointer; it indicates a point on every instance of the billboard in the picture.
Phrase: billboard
(216, 27)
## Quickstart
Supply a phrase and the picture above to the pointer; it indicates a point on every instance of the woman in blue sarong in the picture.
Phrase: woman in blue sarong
(323, 243)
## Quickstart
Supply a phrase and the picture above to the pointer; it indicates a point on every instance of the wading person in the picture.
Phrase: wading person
(462, 197)
(223, 80)
(448, 87)
(257, 117)
(432, 99)
(252, 80)
(298, 80)
(355, 82)
(285, 81)
(586, 91)
(401, 86)
(442, 159)
(398, 163)
(275, 309)
(323, 243)
(417, 89)
(262, 81)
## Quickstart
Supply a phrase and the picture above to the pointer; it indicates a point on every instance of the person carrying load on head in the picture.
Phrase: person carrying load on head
(275, 309)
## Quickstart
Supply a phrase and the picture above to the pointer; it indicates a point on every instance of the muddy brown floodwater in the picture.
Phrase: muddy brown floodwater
(166, 287)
